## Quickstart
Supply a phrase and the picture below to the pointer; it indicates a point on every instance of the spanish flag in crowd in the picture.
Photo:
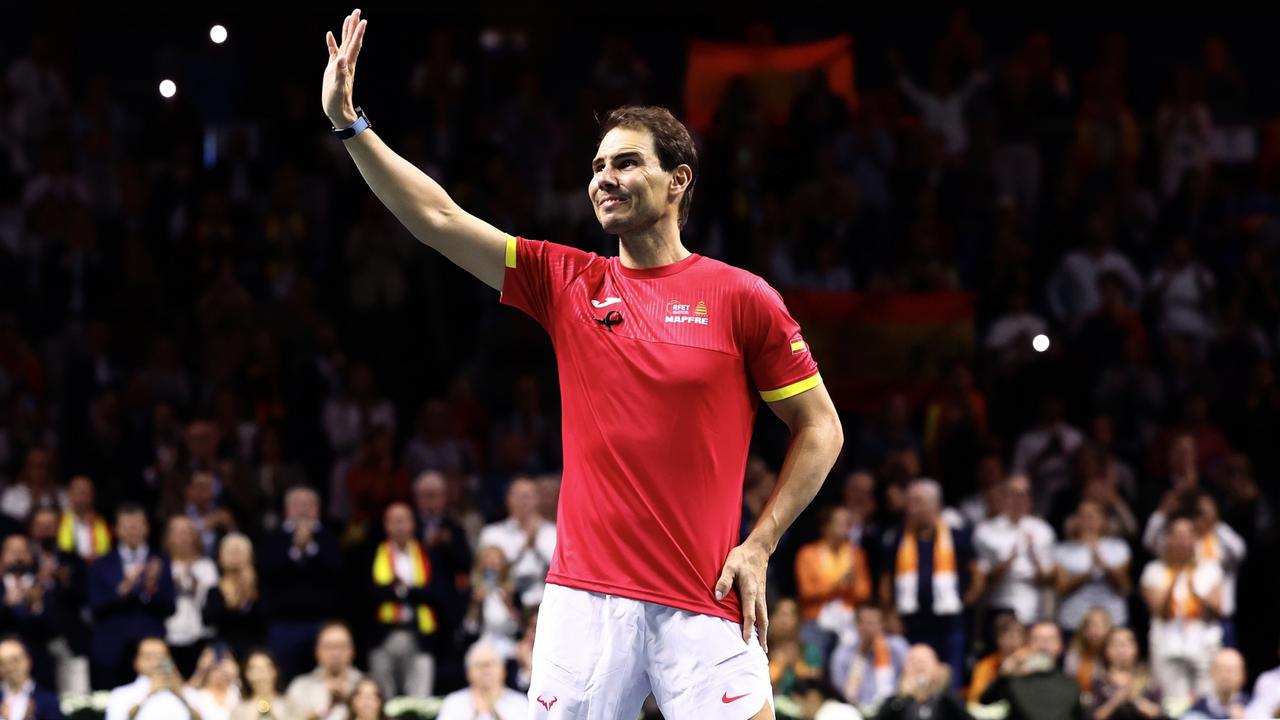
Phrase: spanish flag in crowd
(773, 72)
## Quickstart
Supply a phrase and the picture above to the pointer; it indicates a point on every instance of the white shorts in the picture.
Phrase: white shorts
(597, 657)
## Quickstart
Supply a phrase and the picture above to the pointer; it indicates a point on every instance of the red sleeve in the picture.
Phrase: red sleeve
(536, 273)
(778, 358)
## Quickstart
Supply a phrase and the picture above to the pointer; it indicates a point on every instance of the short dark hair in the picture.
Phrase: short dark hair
(129, 508)
(671, 140)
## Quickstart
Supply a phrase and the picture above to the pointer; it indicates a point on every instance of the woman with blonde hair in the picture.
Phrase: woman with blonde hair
(193, 576)
(492, 616)
(233, 608)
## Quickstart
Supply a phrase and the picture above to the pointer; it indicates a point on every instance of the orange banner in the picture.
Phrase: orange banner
(773, 72)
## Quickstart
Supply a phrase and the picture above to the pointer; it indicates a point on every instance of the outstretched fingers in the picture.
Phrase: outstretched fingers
(333, 44)
(357, 41)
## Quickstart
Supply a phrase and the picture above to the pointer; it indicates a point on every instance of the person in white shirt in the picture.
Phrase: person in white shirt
(20, 697)
(216, 684)
(1015, 554)
(1215, 542)
(1184, 596)
(1091, 570)
(157, 694)
(526, 538)
(1266, 695)
(486, 696)
(193, 575)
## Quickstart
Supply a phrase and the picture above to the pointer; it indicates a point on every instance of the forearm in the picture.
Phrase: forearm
(416, 200)
(810, 457)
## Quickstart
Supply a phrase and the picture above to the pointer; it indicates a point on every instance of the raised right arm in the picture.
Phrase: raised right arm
(416, 200)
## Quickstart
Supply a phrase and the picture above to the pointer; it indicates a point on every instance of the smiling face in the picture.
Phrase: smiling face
(629, 189)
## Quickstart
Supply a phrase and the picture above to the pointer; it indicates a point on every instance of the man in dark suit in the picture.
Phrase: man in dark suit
(130, 593)
(20, 697)
(300, 565)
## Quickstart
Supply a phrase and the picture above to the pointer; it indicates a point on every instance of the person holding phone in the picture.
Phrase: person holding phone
(158, 693)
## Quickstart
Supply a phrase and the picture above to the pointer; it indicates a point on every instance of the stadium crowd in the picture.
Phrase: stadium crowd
(262, 453)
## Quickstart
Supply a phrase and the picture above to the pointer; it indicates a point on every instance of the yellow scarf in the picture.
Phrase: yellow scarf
(390, 613)
(99, 531)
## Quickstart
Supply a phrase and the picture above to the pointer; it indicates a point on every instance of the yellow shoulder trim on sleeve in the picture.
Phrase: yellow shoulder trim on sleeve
(791, 390)
(511, 251)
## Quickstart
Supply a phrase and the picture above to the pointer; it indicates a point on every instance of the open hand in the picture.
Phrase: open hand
(339, 75)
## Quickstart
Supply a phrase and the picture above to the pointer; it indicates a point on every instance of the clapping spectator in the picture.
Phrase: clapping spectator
(832, 577)
(262, 696)
(406, 589)
(322, 694)
(492, 616)
(234, 609)
(193, 576)
(526, 538)
(1091, 570)
(1014, 552)
(1124, 691)
(486, 696)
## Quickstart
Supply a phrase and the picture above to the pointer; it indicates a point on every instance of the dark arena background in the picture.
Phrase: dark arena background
(1021, 243)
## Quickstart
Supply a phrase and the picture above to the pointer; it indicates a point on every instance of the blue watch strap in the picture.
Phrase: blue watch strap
(360, 125)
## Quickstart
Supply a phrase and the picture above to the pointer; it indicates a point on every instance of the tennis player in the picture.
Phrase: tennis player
(663, 357)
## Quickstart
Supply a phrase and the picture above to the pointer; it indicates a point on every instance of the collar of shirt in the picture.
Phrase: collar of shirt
(27, 688)
(131, 556)
(289, 526)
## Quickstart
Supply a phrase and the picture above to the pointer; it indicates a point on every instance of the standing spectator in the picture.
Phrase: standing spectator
(1185, 130)
(923, 691)
(193, 576)
(1031, 682)
(1072, 290)
(865, 667)
(1228, 699)
(1184, 597)
(526, 538)
(67, 575)
(130, 593)
(210, 518)
(323, 693)
(367, 702)
(486, 696)
(1125, 690)
(36, 487)
(927, 565)
(1011, 636)
(1216, 542)
(492, 616)
(1014, 552)
(215, 685)
(263, 698)
(29, 610)
(437, 529)
(406, 590)
(82, 530)
(233, 608)
(300, 568)
(832, 575)
(1091, 570)
(21, 698)
(1083, 660)
(1043, 453)
(157, 693)
(942, 107)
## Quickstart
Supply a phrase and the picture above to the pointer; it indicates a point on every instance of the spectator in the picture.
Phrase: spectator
(36, 487)
(300, 567)
(1184, 597)
(1228, 699)
(866, 666)
(832, 575)
(1184, 126)
(20, 696)
(1266, 695)
(1125, 690)
(1031, 682)
(1042, 454)
(367, 702)
(215, 684)
(1014, 552)
(790, 659)
(233, 607)
(130, 593)
(486, 696)
(323, 693)
(1183, 290)
(1216, 543)
(1011, 636)
(262, 679)
(437, 530)
(492, 616)
(406, 588)
(30, 610)
(210, 518)
(82, 530)
(67, 576)
(157, 693)
(817, 700)
(942, 107)
(1083, 660)
(926, 568)
(526, 538)
(1073, 289)
(923, 691)
(193, 576)
(1091, 570)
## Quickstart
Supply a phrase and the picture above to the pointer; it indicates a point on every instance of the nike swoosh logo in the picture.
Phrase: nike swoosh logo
(607, 302)
(726, 699)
